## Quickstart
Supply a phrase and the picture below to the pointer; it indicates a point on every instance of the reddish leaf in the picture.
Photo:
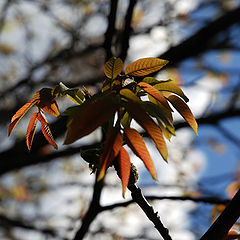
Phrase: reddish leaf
(46, 101)
(111, 149)
(149, 125)
(125, 168)
(90, 116)
(184, 110)
(135, 141)
(46, 129)
(20, 113)
(145, 66)
(51, 109)
(31, 130)
(154, 93)
(113, 67)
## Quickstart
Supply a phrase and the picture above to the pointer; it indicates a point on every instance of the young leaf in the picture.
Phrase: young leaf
(128, 94)
(167, 134)
(31, 130)
(20, 113)
(184, 110)
(90, 116)
(135, 141)
(170, 86)
(154, 93)
(125, 168)
(46, 101)
(46, 129)
(144, 120)
(111, 149)
(113, 67)
(145, 66)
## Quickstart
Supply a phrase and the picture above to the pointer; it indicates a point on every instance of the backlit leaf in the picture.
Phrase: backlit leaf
(167, 134)
(51, 109)
(184, 110)
(145, 66)
(135, 141)
(125, 168)
(154, 93)
(20, 113)
(145, 121)
(46, 129)
(150, 80)
(126, 120)
(31, 130)
(128, 94)
(170, 86)
(90, 116)
(113, 67)
(111, 149)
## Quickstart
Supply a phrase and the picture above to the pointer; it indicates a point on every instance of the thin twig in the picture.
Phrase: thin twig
(138, 197)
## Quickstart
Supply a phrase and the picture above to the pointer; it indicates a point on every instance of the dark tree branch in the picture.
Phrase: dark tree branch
(92, 212)
(225, 221)
(127, 29)
(138, 197)
(199, 42)
(207, 200)
(111, 29)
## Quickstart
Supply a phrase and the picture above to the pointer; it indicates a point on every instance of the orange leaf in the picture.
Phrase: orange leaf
(154, 93)
(46, 129)
(145, 66)
(51, 109)
(135, 141)
(125, 168)
(113, 67)
(31, 130)
(90, 116)
(184, 110)
(20, 113)
(111, 149)
(149, 125)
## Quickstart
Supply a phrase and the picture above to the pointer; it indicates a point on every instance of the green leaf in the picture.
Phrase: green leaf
(113, 67)
(170, 86)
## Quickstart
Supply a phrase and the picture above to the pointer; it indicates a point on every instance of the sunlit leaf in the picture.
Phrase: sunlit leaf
(170, 86)
(150, 80)
(20, 113)
(90, 116)
(31, 130)
(46, 129)
(145, 66)
(184, 110)
(51, 109)
(111, 149)
(154, 93)
(144, 120)
(125, 168)
(113, 67)
(135, 141)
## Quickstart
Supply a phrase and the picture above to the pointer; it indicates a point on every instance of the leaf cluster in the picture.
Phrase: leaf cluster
(123, 98)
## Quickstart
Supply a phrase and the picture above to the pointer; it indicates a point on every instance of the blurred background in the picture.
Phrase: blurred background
(45, 193)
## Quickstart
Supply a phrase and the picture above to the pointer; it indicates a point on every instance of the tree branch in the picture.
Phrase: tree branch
(92, 212)
(138, 197)
(225, 221)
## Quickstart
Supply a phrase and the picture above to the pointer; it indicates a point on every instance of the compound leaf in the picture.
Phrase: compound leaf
(144, 120)
(184, 110)
(113, 67)
(145, 66)
(135, 141)
(125, 168)
(20, 113)
(170, 86)
(46, 129)
(31, 130)
(154, 93)
(111, 149)
(89, 117)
